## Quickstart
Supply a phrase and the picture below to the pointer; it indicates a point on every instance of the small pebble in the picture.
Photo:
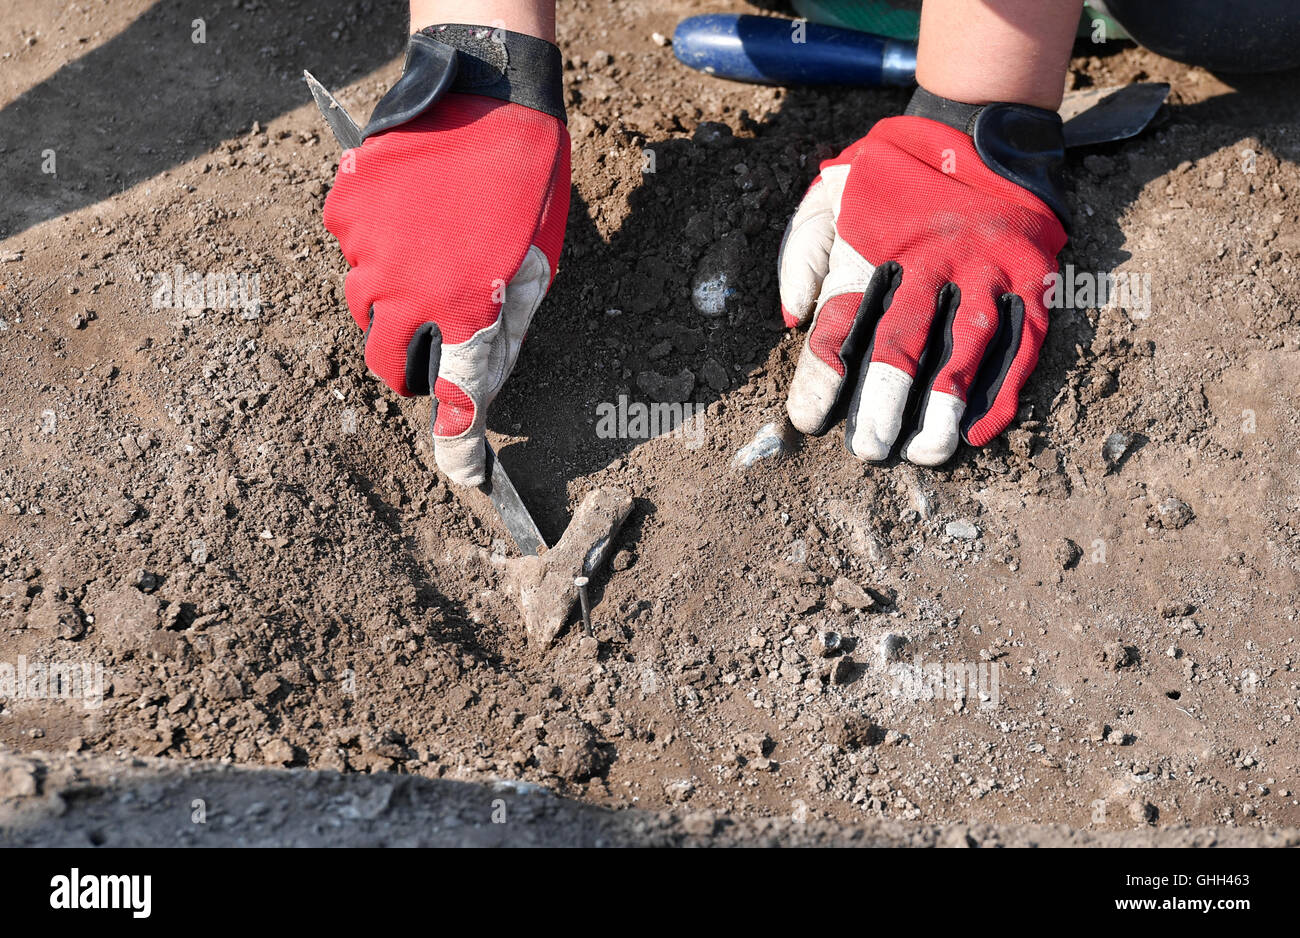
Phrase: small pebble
(772, 439)
(828, 643)
(1115, 449)
(892, 646)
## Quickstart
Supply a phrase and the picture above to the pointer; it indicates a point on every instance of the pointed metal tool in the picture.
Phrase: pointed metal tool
(505, 498)
(346, 131)
(1104, 115)
(498, 487)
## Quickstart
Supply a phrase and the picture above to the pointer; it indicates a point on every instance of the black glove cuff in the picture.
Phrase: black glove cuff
(479, 60)
(1018, 142)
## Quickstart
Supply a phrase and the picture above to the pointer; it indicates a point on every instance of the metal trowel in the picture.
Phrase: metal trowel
(498, 487)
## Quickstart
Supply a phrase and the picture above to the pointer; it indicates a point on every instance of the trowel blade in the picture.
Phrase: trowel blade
(1104, 115)
(346, 131)
(505, 498)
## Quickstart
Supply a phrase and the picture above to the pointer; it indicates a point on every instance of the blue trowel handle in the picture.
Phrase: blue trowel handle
(776, 51)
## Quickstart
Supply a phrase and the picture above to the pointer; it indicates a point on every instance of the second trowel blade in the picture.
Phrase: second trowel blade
(1104, 115)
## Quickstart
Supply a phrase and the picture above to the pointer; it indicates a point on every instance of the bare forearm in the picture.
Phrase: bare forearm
(532, 17)
(981, 51)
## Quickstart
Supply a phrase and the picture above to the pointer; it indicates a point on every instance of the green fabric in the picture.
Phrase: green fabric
(901, 19)
(897, 19)
(1097, 11)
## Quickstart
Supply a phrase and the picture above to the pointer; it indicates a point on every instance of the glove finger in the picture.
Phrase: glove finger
(854, 292)
(337, 215)
(807, 247)
(459, 437)
(470, 374)
(389, 337)
(1011, 358)
(957, 347)
(819, 376)
(805, 252)
(880, 400)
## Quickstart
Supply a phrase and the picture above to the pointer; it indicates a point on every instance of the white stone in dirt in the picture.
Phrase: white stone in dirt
(713, 290)
(1115, 448)
(962, 530)
(679, 790)
(772, 439)
(710, 294)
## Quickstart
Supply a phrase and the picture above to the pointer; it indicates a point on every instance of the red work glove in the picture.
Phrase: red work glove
(920, 253)
(451, 215)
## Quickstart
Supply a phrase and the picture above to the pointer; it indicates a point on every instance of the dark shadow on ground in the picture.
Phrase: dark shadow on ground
(151, 97)
(89, 800)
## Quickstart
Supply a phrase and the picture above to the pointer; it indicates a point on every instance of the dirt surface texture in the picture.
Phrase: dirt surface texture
(231, 546)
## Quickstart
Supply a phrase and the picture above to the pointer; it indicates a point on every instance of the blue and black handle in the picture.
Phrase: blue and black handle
(774, 51)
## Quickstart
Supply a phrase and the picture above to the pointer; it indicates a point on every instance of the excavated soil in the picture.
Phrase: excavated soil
(221, 509)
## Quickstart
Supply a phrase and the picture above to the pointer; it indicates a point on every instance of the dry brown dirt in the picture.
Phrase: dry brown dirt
(246, 531)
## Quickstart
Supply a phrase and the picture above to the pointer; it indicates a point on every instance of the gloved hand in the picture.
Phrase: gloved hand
(920, 253)
(451, 215)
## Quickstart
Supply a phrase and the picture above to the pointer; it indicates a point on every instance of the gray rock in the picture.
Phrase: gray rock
(713, 135)
(668, 389)
(828, 643)
(1175, 513)
(1067, 553)
(892, 647)
(679, 790)
(715, 376)
(962, 530)
(61, 619)
(852, 595)
(572, 751)
(1115, 448)
(717, 277)
(772, 439)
